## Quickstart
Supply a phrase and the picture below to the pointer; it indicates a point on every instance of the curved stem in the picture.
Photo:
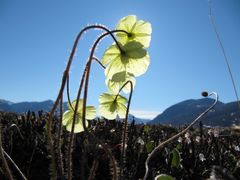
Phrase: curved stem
(124, 136)
(83, 76)
(14, 164)
(178, 135)
(68, 94)
(87, 74)
(64, 78)
(14, 125)
(109, 153)
(87, 71)
(99, 62)
(223, 51)
(59, 153)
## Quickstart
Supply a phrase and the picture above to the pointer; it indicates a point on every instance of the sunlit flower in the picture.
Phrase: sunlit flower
(110, 106)
(132, 59)
(138, 30)
(68, 116)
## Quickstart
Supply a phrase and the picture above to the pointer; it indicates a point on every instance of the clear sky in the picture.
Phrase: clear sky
(36, 37)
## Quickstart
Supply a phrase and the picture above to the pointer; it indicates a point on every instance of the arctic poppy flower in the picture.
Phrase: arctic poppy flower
(131, 58)
(68, 116)
(137, 30)
(111, 106)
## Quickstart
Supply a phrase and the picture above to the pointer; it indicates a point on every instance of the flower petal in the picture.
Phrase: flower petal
(78, 126)
(127, 23)
(138, 31)
(134, 50)
(116, 66)
(115, 84)
(67, 117)
(110, 54)
(142, 32)
(121, 109)
(107, 112)
(138, 67)
(90, 112)
(109, 107)
(73, 103)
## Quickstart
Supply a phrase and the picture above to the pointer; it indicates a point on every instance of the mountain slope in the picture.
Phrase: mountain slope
(186, 111)
(26, 106)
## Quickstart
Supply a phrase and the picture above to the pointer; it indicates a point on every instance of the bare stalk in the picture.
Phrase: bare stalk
(125, 126)
(87, 71)
(59, 152)
(178, 135)
(223, 51)
(2, 157)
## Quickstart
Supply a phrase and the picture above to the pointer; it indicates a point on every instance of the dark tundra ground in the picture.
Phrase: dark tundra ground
(199, 154)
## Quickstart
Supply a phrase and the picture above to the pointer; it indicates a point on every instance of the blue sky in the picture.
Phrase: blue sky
(36, 38)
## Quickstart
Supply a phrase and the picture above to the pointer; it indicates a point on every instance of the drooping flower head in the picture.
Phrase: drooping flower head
(132, 59)
(128, 58)
(111, 106)
(138, 30)
(68, 116)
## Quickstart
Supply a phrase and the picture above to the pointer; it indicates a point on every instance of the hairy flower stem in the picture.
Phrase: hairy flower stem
(87, 74)
(59, 153)
(60, 93)
(68, 89)
(109, 153)
(178, 135)
(125, 126)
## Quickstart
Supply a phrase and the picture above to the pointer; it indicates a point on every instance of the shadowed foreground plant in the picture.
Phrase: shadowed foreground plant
(170, 140)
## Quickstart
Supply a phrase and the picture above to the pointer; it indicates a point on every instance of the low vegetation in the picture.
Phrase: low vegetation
(199, 154)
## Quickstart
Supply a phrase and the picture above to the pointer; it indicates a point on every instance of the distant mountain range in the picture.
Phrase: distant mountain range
(186, 111)
(25, 106)
(178, 114)
(46, 106)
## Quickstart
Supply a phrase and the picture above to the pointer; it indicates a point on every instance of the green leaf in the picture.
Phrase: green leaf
(110, 106)
(149, 146)
(164, 177)
(175, 158)
(138, 31)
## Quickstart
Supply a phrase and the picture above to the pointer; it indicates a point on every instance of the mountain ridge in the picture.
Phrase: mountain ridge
(223, 114)
(184, 112)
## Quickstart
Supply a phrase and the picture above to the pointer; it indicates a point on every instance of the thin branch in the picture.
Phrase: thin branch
(223, 51)
(124, 137)
(14, 164)
(2, 157)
